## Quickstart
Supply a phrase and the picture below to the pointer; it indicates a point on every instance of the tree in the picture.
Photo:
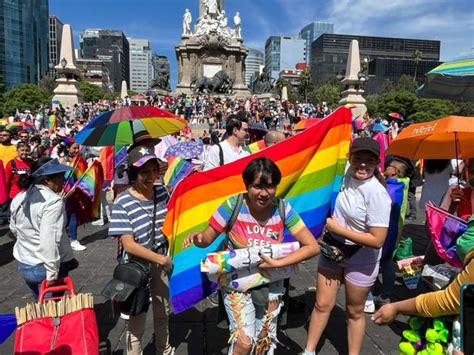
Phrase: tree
(111, 95)
(48, 84)
(305, 83)
(328, 93)
(91, 92)
(24, 97)
(416, 57)
(131, 93)
(431, 109)
(281, 83)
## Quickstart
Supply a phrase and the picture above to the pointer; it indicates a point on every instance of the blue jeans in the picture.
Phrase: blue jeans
(71, 226)
(387, 269)
(35, 274)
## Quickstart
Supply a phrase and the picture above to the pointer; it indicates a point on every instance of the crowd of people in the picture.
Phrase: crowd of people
(38, 154)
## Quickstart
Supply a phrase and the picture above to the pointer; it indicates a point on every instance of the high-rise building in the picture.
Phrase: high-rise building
(283, 52)
(141, 69)
(95, 71)
(161, 69)
(386, 58)
(311, 32)
(23, 41)
(55, 36)
(112, 47)
(255, 59)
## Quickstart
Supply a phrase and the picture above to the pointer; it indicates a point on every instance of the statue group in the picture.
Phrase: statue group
(214, 20)
(264, 84)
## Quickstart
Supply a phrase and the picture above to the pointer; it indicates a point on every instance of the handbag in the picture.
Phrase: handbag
(334, 250)
(58, 325)
(129, 288)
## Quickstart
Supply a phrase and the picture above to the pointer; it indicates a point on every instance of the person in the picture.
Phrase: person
(438, 303)
(273, 137)
(395, 172)
(17, 167)
(252, 324)
(187, 18)
(238, 31)
(459, 200)
(7, 149)
(436, 175)
(230, 149)
(134, 213)
(38, 222)
(359, 225)
(23, 135)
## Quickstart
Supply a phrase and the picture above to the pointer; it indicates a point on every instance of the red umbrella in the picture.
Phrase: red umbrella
(306, 123)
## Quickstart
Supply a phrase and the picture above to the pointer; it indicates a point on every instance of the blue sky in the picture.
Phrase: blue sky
(160, 21)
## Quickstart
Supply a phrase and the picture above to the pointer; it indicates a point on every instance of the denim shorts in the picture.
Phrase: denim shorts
(255, 321)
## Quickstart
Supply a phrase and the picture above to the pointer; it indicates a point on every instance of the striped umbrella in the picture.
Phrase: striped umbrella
(117, 127)
(451, 80)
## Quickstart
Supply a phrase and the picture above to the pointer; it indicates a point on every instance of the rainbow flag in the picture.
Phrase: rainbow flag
(445, 229)
(312, 165)
(256, 146)
(397, 188)
(72, 176)
(52, 123)
(177, 170)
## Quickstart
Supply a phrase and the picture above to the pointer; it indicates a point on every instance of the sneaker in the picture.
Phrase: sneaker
(75, 245)
(99, 222)
(369, 307)
(380, 301)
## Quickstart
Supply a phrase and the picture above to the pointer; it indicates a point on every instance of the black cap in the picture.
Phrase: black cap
(138, 156)
(365, 144)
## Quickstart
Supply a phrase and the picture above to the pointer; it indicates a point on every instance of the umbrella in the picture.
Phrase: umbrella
(303, 124)
(257, 128)
(151, 93)
(185, 150)
(117, 127)
(445, 138)
(396, 116)
(451, 80)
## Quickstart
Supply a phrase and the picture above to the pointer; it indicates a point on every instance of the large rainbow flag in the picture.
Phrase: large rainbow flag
(312, 165)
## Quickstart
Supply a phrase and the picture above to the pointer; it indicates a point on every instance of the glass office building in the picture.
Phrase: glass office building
(312, 32)
(283, 52)
(23, 41)
(255, 59)
(387, 58)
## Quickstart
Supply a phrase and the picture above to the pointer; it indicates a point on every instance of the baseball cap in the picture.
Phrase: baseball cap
(50, 168)
(138, 156)
(365, 144)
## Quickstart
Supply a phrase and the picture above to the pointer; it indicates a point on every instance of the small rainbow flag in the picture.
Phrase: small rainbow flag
(256, 146)
(312, 165)
(72, 176)
(177, 170)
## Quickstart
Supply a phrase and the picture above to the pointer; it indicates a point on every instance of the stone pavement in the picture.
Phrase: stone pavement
(195, 331)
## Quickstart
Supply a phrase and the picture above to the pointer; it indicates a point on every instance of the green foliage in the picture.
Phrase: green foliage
(431, 109)
(90, 91)
(305, 84)
(416, 57)
(281, 83)
(23, 97)
(328, 93)
(111, 95)
(48, 84)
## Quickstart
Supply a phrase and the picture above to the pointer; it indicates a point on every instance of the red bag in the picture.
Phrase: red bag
(73, 333)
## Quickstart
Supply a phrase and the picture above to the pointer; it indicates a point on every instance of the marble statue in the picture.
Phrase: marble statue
(187, 18)
(237, 25)
(212, 8)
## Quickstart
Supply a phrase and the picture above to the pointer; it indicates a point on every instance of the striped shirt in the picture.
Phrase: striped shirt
(248, 232)
(133, 216)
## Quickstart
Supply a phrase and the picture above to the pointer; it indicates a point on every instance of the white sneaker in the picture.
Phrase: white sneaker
(124, 316)
(369, 306)
(99, 222)
(75, 245)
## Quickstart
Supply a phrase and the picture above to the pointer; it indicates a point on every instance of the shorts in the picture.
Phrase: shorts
(362, 275)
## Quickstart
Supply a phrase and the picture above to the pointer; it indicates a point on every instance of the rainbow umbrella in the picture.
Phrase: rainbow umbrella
(396, 116)
(306, 123)
(451, 80)
(117, 127)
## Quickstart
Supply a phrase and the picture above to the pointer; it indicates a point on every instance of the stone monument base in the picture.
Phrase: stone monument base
(67, 93)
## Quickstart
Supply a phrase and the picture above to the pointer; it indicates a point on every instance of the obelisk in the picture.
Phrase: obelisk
(67, 93)
(352, 94)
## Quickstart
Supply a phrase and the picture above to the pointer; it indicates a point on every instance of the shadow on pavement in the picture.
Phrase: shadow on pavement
(106, 320)
(6, 253)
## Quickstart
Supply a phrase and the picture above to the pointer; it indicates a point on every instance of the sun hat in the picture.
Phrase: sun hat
(50, 168)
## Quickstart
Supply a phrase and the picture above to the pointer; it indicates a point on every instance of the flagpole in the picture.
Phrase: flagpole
(76, 183)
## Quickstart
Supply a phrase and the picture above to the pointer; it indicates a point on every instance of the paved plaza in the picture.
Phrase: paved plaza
(195, 331)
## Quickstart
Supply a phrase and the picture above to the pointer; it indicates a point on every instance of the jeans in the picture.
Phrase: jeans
(388, 278)
(256, 322)
(35, 274)
(71, 226)
(412, 202)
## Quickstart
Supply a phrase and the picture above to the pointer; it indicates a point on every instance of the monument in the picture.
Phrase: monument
(67, 93)
(211, 60)
(353, 82)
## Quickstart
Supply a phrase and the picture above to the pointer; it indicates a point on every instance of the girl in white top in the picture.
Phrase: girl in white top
(361, 217)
